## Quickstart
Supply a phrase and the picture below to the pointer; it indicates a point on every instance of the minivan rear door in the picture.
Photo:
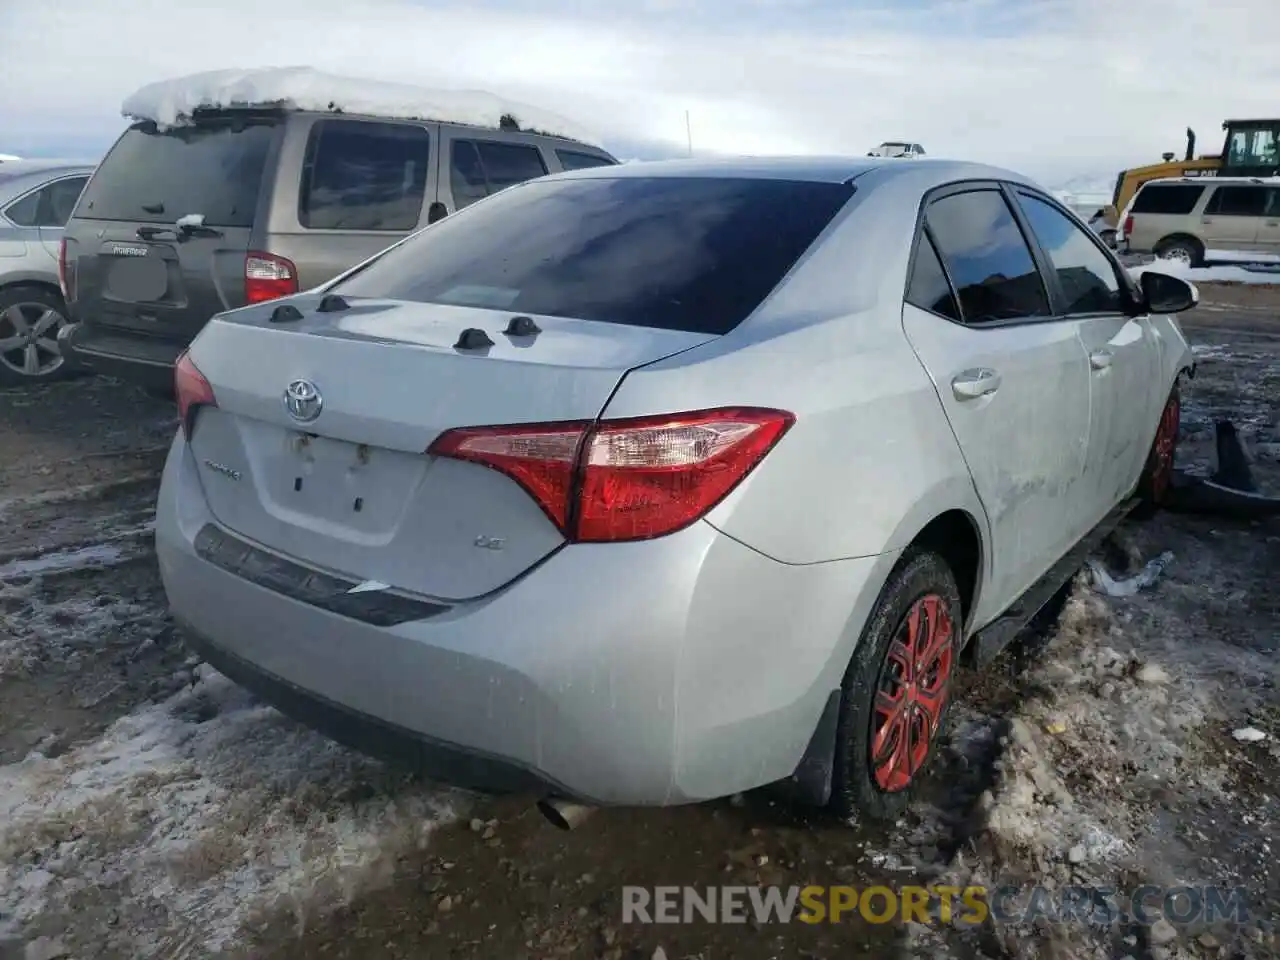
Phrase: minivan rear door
(158, 240)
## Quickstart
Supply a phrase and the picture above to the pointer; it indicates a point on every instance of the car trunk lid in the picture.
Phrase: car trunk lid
(352, 490)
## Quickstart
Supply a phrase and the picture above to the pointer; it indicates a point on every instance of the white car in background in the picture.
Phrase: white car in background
(899, 149)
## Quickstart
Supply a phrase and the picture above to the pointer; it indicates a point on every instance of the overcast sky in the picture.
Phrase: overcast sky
(1056, 88)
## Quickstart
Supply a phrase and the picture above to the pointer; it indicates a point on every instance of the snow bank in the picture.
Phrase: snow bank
(172, 102)
(195, 818)
(1241, 274)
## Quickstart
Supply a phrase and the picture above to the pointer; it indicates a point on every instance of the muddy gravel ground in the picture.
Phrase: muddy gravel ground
(151, 809)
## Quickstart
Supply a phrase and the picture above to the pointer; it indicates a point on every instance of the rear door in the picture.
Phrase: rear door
(1123, 351)
(1269, 229)
(1012, 379)
(473, 166)
(159, 237)
(57, 201)
(1233, 216)
(347, 189)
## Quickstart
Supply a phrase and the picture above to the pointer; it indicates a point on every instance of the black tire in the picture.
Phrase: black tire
(1184, 249)
(1157, 473)
(30, 300)
(919, 578)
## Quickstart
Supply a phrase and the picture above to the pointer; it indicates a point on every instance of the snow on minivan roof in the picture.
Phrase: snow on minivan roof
(171, 103)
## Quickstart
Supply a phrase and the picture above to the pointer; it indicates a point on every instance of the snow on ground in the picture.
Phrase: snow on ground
(172, 102)
(194, 818)
(1215, 274)
(1109, 770)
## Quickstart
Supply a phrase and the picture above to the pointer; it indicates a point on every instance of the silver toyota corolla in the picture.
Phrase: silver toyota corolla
(655, 483)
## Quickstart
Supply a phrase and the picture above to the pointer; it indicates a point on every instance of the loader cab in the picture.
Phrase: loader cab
(1251, 148)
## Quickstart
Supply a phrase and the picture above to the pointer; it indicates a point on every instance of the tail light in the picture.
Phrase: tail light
(1127, 230)
(191, 389)
(625, 479)
(268, 277)
(64, 276)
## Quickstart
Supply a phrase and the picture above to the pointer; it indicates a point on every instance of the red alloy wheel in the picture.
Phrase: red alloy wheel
(1165, 446)
(915, 681)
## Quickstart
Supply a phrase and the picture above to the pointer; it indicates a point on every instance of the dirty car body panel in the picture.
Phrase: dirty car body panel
(323, 539)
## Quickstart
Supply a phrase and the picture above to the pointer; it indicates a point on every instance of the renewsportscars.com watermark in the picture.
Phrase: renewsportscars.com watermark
(971, 905)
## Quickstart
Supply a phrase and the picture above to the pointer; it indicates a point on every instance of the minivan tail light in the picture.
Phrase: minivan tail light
(633, 479)
(191, 389)
(268, 277)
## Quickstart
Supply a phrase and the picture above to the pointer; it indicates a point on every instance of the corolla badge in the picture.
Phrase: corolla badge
(303, 401)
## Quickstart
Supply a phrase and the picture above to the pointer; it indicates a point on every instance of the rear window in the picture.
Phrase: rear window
(696, 254)
(1176, 199)
(213, 168)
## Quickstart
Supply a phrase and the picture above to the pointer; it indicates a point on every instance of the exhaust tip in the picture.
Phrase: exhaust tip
(563, 814)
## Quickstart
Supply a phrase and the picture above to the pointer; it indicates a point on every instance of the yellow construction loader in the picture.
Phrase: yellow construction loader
(1251, 149)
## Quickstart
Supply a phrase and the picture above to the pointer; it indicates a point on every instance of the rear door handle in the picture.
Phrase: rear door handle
(972, 384)
(1100, 359)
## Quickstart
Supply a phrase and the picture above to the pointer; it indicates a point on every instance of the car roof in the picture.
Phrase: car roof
(19, 176)
(814, 169)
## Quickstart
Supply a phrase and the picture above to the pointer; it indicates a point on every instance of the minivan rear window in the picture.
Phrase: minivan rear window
(682, 253)
(1170, 198)
(214, 167)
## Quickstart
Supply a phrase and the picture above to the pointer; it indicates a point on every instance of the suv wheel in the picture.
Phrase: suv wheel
(30, 318)
(897, 690)
(1181, 250)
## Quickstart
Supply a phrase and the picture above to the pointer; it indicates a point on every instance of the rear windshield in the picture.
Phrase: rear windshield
(1167, 198)
(214, 168)
(696, 254)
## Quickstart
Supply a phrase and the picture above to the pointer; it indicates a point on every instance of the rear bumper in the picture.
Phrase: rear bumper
(147, 361)
(664, 672)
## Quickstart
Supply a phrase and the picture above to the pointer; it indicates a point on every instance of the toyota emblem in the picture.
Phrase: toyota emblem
(303, 401)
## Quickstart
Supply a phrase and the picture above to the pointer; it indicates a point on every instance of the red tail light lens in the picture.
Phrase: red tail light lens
(191, 389)
(625, 479)
(268, 277)
(63, 275)
(1128, 226)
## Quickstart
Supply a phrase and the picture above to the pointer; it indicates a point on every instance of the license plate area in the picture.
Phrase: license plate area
(334, 482)
(137, 279)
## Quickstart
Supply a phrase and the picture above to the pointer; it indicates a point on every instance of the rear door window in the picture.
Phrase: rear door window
(478, 168)
(696, 254)
(1237, 202)
(1167, 198)
(362, 175)
(214, 168)
(987, 257)
(1086, 275)
(573, 160)
(929, 288)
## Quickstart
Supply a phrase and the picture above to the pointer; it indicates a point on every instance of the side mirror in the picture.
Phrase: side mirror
(1167, 294)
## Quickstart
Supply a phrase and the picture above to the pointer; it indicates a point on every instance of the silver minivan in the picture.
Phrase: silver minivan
(246, 205)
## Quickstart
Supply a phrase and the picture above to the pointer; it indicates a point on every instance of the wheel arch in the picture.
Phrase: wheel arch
(1180, 236)
(10, 281)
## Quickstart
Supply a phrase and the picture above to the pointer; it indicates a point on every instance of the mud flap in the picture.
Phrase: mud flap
(811, 782)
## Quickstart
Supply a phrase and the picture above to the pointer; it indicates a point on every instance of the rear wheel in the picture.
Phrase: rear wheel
(897, 690)
(1181, 250)
(1157, 474)
(30, 318)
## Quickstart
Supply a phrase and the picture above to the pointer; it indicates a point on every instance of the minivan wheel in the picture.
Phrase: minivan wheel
(1181, 251)
(30, 318)
(897, 690)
